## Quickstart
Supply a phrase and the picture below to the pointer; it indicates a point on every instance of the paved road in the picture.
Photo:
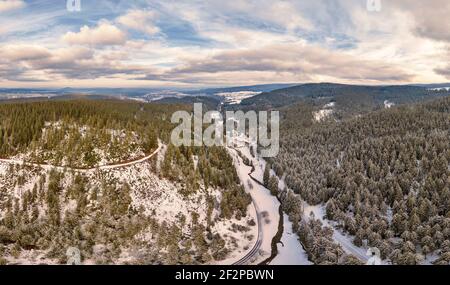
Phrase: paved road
(257, 246)
(83, 170)
(259, 240)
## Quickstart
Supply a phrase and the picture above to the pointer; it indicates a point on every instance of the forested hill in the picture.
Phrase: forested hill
(47, 131)
(384, 176)
(180, 205)
(209, 103)
(346, 96)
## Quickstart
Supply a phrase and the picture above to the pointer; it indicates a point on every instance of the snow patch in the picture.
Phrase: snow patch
(237, 97)
(388, 105)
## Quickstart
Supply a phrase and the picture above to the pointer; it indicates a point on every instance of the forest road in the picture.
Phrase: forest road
(84, 170)
(254, 251)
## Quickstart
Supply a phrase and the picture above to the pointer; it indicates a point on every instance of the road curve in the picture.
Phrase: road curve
(257, 245)
(84, 170)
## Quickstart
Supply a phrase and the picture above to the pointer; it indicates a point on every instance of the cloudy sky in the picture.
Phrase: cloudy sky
(199, 43)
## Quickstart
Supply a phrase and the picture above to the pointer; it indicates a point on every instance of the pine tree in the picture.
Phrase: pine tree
(273, 185)
(266, 175)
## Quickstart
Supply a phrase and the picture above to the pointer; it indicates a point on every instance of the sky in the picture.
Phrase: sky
(205, 43)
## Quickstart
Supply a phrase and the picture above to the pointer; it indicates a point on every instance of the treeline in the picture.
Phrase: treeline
(385, 176)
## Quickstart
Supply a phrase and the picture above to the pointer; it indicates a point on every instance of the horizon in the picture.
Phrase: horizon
(155, 44)
(199, 88)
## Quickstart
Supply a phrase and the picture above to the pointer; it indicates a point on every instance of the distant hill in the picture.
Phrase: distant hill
(255, 88)
(345, 96)
(436, 85)
(210, 102)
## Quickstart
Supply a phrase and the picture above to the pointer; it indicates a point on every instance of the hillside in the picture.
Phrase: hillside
(72, 175)
(349, 99)
(383, 178)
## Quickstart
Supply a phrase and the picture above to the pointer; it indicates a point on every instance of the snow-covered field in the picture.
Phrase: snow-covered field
(440, 89)
(237, 97)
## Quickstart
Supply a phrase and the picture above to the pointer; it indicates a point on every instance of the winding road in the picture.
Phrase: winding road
(254, 251)
(244, 260)
(257, 246)
(83, 170)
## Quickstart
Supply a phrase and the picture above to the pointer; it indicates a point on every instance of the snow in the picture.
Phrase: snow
(322, 114)
(430, 259)
(325, 112)
(237, 97)
(330, 105)
(159, 198)
(440, 89)
(263, 200)
(291, 251)
(87, 170)
(128, 141)
(388, 105)
(346, 241)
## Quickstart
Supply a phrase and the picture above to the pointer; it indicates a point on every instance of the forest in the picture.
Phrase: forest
(22, 123)
(105, 213)
(384, 176)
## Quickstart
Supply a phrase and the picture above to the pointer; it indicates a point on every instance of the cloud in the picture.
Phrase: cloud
(220, 42)
(294, 60)
(444, 70)
(27, 63)
(18, 52)
(103, 34)
(140, 20)
(431, 17)
(9, 5)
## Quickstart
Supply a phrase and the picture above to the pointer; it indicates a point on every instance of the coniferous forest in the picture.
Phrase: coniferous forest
(382, 177)
(165, 210)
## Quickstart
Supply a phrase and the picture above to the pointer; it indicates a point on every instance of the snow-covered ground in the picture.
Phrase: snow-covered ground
(346, 241)
(266, 203)
(440, 89)
(158, 197)
(292, 251)
(388, 105)
(110, 145)
(324, 113)
(237, 97)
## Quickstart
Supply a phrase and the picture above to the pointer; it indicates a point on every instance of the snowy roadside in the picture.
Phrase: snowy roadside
(267, 204)
(49, 167)
(290, 252)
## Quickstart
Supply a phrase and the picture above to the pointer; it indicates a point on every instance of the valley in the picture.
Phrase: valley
(102, 175)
